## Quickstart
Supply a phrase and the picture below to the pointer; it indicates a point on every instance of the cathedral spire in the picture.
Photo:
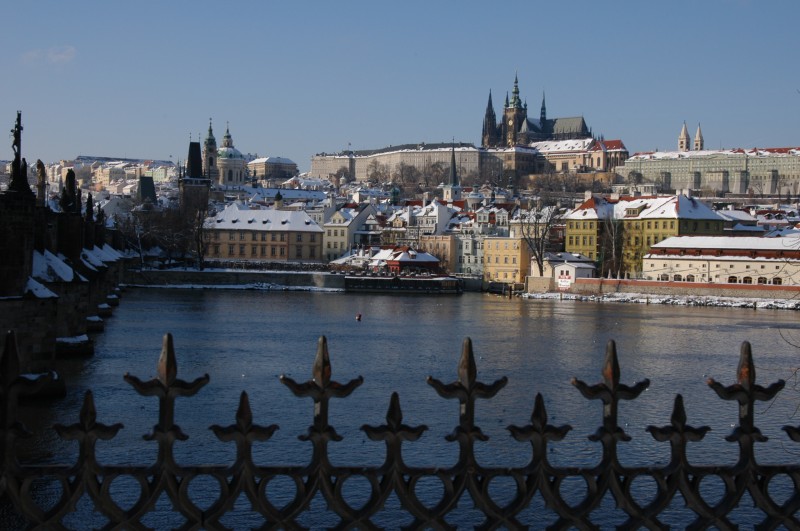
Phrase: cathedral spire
(515, 101)
(489, 132)
(683, 139)
(699, 144)
(543, 113)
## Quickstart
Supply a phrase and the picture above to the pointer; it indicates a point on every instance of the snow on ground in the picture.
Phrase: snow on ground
(641, 298)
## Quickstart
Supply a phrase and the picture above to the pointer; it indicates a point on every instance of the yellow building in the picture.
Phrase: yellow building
(649, 220)
(506, 260)
(263, 236)
(618, 233)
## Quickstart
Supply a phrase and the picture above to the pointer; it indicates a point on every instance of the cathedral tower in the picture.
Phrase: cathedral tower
(210, 169)
(699, 145)
(490, 135)
(514, 115)
(684, 141)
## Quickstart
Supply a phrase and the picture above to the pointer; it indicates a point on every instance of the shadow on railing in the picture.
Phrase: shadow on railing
(87, 477)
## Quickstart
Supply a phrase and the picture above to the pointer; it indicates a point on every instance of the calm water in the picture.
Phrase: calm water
(246, 339)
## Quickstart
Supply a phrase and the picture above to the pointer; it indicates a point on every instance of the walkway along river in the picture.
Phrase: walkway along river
(245, 339)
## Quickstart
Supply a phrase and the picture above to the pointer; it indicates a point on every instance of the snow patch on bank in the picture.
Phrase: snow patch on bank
(640, 298)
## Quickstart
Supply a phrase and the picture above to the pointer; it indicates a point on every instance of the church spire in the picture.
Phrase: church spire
(543, 113)
(683, 139)
(210, 140)
(227, 140)
(515, 101)
(699, 145)
(489, 133)
(453, 174)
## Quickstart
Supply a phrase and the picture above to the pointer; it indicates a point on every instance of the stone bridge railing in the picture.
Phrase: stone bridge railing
(244, 479)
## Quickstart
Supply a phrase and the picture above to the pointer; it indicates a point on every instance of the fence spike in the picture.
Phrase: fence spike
(321, 373)
(167, 364)
(467, 372)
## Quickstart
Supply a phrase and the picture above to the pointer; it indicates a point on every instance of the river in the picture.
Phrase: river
(245, 339)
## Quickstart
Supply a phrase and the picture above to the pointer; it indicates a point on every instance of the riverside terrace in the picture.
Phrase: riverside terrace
(21, 486)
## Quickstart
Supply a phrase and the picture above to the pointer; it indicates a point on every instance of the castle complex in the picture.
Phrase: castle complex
(755, 171)
(514, 148)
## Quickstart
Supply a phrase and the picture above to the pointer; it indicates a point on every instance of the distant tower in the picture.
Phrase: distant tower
(194, 186)
(489, 135)
(230, 162)
(543, 113)
(698, 139)
(210, 169)
(684, 142)
(452, 190)
(513, 115)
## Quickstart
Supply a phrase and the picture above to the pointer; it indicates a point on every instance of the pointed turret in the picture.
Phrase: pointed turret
(699, 145)
(227, 140)
(515, 101)
(452, 191)
(489, 135)
(543, 112)
(683, 139)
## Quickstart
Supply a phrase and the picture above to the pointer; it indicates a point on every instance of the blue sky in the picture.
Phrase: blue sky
(135, 79)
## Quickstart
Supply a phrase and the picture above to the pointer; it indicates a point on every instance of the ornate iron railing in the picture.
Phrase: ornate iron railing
(244, 477)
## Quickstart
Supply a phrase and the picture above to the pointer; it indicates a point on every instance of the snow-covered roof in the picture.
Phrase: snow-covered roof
(48, 267)
(675, 206)
(236, 218)
(754, 152)
(38, 290)
(271, 160)
(733, 243)
(551, 146)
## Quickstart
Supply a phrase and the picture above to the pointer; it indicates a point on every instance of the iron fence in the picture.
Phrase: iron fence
(394, 478)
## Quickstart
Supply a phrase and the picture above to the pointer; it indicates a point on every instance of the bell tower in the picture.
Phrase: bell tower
(210, 169)
(514, 114)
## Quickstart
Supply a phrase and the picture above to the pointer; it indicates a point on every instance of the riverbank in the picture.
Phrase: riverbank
(685, 300)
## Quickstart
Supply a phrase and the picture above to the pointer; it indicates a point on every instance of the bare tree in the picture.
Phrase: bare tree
(610, 247)
(536, 227)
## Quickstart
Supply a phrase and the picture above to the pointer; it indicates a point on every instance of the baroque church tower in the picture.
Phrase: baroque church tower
(210, 170)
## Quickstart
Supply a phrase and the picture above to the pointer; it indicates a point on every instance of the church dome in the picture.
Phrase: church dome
(229, 153)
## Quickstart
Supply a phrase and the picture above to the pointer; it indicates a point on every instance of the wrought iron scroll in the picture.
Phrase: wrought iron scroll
(394, 477)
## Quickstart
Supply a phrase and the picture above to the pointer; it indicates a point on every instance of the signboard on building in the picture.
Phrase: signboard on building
(564, 280)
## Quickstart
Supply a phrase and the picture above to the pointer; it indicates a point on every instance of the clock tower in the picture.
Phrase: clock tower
(514, 115)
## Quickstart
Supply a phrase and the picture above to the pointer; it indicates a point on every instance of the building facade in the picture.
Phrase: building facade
(264, 235)
(725, 260)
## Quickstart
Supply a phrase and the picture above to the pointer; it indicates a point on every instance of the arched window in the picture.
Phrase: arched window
(664, 277)
(747, 280)
(777, 281)
(762, 280)
(230, 175)
(677, 278)
(732, 280)
(689, 278)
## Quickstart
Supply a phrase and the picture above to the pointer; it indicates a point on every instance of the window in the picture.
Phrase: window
(273, 252)
(254, 251)
(254, 236)
(664, 277)
(230, 250)
(777, 281)
(216, 250)
(263, 250)
(298, 253)
(299, 237)
(283, 251)
(732, 280)
(263, 236)
(747, 280)
(312, 237)
(241, 236)
(241, 250)
(329, 233)
(762, 280)
(231, 235)
(283, 237)
(689, 278)
(312, 252)
(677, 278)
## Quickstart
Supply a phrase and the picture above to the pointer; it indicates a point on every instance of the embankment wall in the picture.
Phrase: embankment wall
(599, 286)
(229, 278)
